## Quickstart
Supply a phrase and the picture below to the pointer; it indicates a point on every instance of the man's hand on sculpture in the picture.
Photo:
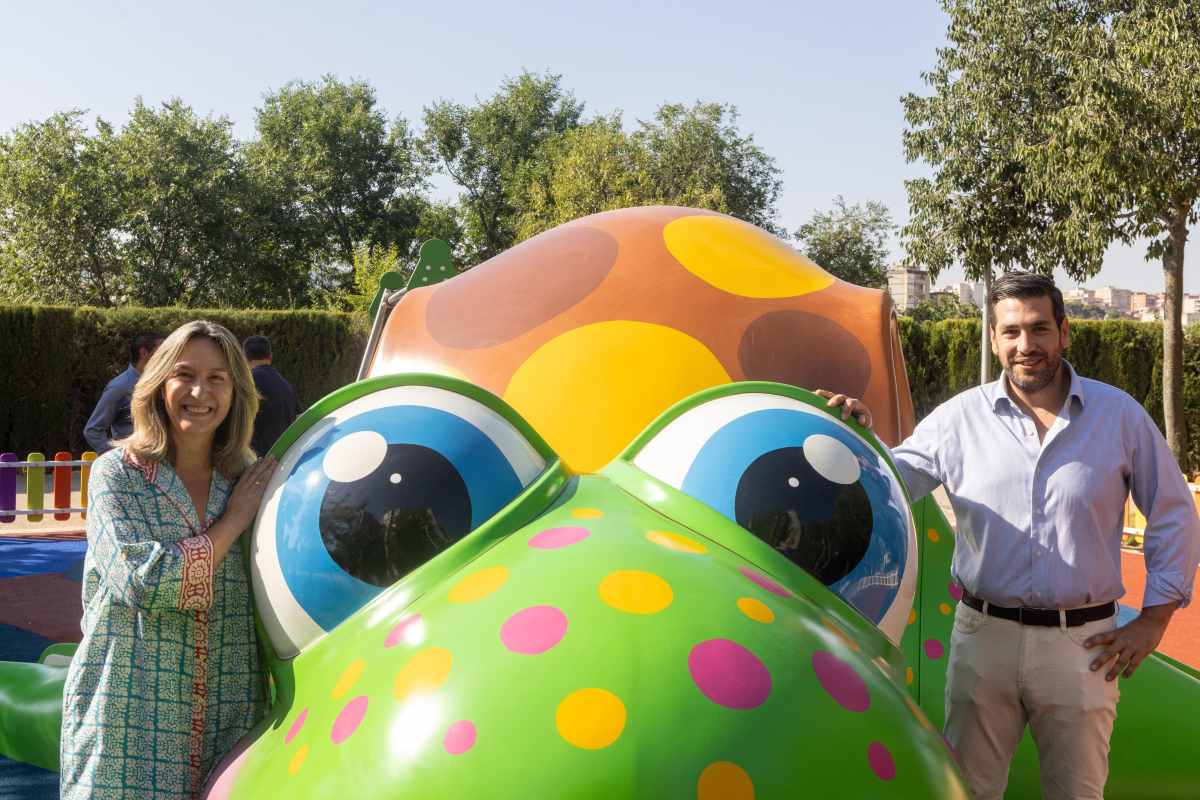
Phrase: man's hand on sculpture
(849, 405)
(1127, 646)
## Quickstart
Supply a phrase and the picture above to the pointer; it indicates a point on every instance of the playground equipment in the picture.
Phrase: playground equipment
(34, 469)
(580, 531)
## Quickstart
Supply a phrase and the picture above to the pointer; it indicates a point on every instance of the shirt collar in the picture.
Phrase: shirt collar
(997, 390)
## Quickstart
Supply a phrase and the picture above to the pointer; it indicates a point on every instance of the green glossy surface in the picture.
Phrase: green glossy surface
(31, 712)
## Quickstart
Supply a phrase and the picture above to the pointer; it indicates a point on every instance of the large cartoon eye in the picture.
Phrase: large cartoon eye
(374, 489)
(803, 482)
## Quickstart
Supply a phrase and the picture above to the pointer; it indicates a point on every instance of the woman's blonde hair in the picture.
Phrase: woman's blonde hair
(151, 437)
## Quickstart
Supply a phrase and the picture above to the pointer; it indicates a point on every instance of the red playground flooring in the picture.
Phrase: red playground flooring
(1182, 639)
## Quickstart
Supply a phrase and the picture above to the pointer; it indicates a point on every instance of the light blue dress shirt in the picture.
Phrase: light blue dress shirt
(111, 416)
(1039, 522)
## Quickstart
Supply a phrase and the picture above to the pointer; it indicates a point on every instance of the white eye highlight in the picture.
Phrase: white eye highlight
(832, 460)
(354, 456)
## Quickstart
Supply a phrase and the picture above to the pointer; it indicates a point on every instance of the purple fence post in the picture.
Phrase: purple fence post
(8, 488)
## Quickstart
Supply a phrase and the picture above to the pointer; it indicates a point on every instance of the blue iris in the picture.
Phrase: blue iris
(713, 478)
(326, 592)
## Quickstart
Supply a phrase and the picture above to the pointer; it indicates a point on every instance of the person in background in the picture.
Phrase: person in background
(1037, 466)
(278, 406)
(110, 418)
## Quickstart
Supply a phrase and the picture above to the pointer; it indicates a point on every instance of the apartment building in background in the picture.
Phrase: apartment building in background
(908, 286)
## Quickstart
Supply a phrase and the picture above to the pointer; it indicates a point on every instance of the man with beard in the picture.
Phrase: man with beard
(1037, 466)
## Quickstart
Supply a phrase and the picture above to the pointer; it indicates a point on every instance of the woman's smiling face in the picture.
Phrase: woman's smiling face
(199, 392)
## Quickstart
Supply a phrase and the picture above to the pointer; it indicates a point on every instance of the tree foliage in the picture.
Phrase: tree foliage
(850, 241)
(1056, 127)
(940, 306)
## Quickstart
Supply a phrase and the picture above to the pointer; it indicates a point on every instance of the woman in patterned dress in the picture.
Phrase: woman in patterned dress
(167, 677)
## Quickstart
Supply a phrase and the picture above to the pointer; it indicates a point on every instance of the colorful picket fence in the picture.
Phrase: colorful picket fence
(1135, 522)
(37, 504)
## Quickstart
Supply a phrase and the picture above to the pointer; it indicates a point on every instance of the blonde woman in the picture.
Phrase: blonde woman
(167, 677)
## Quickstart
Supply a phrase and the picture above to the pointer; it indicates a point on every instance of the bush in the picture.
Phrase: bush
(56, 361)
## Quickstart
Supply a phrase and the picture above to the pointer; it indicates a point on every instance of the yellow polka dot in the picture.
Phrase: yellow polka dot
(756, 610)
(944, 608)
(724, 780)
(424, 672)
(591, 390)
(348, 679)
(676, 541)
(933, 535)
(587, 513)
(478, 585)
(912, 616)
(298, 760)
(908, 676)
(636, 592)
(590, 718)
(741, 259)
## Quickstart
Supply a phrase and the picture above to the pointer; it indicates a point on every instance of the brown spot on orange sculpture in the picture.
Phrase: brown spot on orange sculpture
(763, 359)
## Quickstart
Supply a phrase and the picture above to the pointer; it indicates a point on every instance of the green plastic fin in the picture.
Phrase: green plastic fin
(388, 281)
(434, 265)
(58, 655)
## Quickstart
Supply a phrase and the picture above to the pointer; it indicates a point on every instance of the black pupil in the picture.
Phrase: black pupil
(410, 508)
(819, 525)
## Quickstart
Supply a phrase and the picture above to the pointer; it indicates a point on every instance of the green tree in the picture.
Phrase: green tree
(1055, 128)
(484, 147)
(940, 306)
(850, 242)
(339, 171)
(59, 214)
(1084, 311)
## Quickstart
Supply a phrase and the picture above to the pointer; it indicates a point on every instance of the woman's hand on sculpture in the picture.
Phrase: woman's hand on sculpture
(248, 493)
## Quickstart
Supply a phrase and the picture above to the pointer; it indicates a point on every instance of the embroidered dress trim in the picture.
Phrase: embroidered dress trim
(199, 700)
(196, 592)
(149, 470)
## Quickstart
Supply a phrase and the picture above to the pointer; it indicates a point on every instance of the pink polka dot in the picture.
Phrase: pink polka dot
(534, 630)
(880, 759)
(841, 681)
(404, 626)
(765, 582)
(729, 674)
(955, 591)
(349, 719)
(459, 738)
(296, 726)
(554, 538)
(933, 649)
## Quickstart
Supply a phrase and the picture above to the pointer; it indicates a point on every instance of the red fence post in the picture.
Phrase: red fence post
(62, 485)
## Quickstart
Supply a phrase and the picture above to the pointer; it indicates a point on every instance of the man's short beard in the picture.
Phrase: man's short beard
(1038, 379)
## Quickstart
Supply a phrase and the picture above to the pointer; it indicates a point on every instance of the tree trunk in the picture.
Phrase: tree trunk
(1173, 414)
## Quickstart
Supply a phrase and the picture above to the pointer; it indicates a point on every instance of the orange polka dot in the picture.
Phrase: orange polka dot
(756, 610)
(944, 608)
(724, 780)
(676, 541)
(478, 585)
(636, 592)
(912, 616)
(425, 672)
(590, 719)
(908, 676)
(298, 760)
(933, 535)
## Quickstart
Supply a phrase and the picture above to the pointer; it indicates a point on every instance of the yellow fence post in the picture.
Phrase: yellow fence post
(85, 472)
(35, 484)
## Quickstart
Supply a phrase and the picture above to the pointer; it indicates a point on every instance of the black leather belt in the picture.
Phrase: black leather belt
(1041, 616)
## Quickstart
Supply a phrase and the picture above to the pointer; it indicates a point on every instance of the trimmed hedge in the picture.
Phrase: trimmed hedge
(55, 361)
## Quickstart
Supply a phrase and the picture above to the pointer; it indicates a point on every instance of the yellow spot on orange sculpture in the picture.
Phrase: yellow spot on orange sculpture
(590, 718)
(478, 585)
(756, 610)
(425, 672)
(676, 541)
(591, 390)
(741, 259)
(636, 592)
(724, 780)
(587, 513)
(349, 677)
(298, 760)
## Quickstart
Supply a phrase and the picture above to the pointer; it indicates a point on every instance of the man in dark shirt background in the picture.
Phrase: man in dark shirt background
(279, 405)
(111, 419)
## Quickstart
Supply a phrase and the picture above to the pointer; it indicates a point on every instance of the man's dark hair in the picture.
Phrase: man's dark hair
(1024, 285)
(143, 341)
(256, 348)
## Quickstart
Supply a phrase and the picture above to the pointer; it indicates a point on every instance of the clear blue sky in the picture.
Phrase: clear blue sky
(817, 84)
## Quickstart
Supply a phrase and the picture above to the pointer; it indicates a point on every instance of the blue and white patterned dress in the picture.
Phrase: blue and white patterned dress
(167, 677)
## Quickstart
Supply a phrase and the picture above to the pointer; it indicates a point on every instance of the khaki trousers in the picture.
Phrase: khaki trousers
(1003, 675)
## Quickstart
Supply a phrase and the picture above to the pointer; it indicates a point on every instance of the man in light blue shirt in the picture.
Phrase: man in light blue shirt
(110, 419)
(1037, 466)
